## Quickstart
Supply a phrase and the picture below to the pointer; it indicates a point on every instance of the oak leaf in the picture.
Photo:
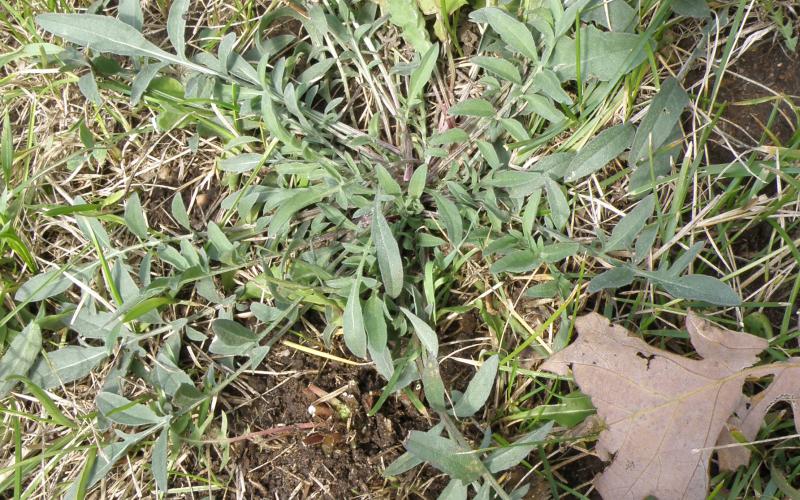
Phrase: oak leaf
(664, 413)
(747, 420)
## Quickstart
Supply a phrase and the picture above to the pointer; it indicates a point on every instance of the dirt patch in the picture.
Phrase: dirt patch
(761, 72)
(336, 452)
(581, 471)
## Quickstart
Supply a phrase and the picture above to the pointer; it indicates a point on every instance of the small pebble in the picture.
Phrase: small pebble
(202, 200)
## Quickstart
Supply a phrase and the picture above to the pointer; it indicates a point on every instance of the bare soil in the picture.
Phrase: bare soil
(337, 458)
(762, 70)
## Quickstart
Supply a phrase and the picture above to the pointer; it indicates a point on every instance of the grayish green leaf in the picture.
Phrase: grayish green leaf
(555, 165)
(425, 333)
(645, 241)
(556, 252)
(567, 18)
(188, 395)
(168, 254)
(88, 87)
(355, 336)
(130, 13)
(450, 218)
(168, 376)
(42, 286)
(241, 163)
(500, 67)
(485, 492)
(571, 411)
(316, 71)
(123, 411)
(518, 183)
(547, 83)
(275, 125)
(66, 365)
(407, 461)
(489, 154)
(544, 108)
(383, 361)
(403, 463)
(107, 457)
(509, 456)
(406, 15)
(231, 338)
(20, 356)
(691, 8)
(546, 290)
(657, 166)
(520, 261)
(478, 390)
(445, 455)
(530, 212)
(613, 278)
(302, 198)
(603, 148)
(616, 15)
(682, 263)
(102, 34)
(422, 74)
(93, 228)
(513, 32)
(658, 123)
(449, 136)
(30, 50)
(134, 216)
(375, 323)
(432, 382)
(218, 240)
(559, 207)
(179, 212)
(159, 460)
(472, 107)
(388, 184)
(142, 80)
(455, 490)
(389, 262)
(225, 51)
(176, 25)
(515, 129)
(96, 325)
(417, 183)
(630, 226)
(232, 333)
(604, 55)
(697, 287)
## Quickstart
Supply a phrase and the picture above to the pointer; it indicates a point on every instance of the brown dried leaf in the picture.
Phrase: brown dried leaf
(663, 412)
(750, 416)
